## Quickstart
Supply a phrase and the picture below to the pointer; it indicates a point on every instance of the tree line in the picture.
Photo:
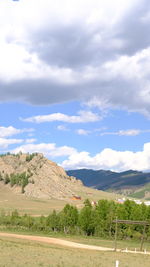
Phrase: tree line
(90, 221)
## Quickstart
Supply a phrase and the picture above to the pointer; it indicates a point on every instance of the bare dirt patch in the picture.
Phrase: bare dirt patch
(56, 241)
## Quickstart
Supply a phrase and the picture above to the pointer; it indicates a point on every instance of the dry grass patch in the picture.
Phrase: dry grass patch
(9, 200)
(20, 253)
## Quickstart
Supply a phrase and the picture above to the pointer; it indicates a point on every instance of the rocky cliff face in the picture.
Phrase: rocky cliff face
(45, 179)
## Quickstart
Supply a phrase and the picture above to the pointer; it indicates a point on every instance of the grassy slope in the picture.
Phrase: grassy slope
(10, 201)
(25, 253)
(140, 193)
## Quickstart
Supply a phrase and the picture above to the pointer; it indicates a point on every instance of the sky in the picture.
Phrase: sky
(75, 82)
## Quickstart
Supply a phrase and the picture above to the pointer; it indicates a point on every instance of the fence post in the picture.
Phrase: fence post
(117, 263)
(116, 232)
(142, 239)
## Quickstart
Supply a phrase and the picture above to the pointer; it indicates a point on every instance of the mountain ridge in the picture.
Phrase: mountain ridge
(127, 182)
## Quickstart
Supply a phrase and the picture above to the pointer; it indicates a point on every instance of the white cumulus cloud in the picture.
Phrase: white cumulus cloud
(9, 131)
(82, 132)
(48, 149)
(4, 142)
(83, 117)
(110, 159)
(107, 159)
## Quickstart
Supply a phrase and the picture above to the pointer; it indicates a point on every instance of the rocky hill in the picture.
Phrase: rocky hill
(35, 176)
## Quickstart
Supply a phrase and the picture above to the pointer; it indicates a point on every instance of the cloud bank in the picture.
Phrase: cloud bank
(106, 159)
(96, 52)
(110, 159)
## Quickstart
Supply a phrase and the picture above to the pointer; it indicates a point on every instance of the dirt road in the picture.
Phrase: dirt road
(61, 242)
(55, 241)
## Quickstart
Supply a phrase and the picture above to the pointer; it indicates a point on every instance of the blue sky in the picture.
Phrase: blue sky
(74, 81)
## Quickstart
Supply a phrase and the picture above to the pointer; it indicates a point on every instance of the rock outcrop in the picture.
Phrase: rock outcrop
(45, 178)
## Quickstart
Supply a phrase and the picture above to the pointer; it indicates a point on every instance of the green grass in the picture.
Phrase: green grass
(20, 253)
(140, 193)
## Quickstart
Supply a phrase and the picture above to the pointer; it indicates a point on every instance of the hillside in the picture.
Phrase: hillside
(36, 177)
(128, 182)
(142, 192)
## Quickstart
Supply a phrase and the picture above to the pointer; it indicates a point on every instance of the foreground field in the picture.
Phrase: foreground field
(88, 240)
(10, 201)
(16, 252)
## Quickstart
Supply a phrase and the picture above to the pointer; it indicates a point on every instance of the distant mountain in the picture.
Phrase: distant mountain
(128, 182)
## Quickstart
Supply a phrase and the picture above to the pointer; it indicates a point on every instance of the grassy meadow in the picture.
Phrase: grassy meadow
(27, 253)
(9, 200)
